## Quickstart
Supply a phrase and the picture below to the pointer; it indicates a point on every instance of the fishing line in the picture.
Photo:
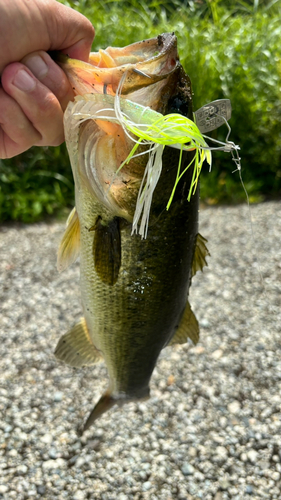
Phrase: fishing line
(233, 149)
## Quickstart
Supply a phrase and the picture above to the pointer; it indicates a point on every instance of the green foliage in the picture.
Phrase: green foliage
(239, 59)
(230, 49)
(35, 184)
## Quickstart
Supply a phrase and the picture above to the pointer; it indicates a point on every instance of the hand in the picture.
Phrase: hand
(35, 91)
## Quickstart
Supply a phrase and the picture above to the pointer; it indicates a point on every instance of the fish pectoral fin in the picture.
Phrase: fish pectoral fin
(200, 254)
(104, 403)
(76, 348)
(188, 328)
(107, 250)
(70, 244)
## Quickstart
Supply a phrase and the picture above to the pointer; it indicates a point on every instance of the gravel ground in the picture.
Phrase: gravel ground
(212, 428)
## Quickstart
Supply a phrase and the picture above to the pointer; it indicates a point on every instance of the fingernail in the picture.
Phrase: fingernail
(37, 65)
(24, 81)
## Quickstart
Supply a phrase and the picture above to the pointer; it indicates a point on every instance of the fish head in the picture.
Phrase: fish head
(145, 63)
(146, 73)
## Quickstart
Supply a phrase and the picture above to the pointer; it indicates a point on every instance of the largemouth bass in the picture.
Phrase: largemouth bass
(134, 291)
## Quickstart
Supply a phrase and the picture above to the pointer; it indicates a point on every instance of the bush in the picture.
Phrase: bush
(35, 184)
(229, 52)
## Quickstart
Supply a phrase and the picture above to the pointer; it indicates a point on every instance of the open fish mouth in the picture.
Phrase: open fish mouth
(145, 73)
(145, 63)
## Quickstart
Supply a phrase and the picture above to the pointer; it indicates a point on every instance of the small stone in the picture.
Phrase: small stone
(93, 444)
(77, 446)
(80, 462)
(222, 451)
(3, 488)
(192, 452)
(187, 469)
(53, 453)
(31, 493)
(79, 495)
(13, 453)
(146, 465)
(47, 438)
(223, 422)
(217, 354)
(275, 476)
(54, 464)
(41, 489)
(218, 495)
(234, 407)
(170, 380)
(73, 459)
(224, 483)
(249, 489)
(205, 323)
(22, 469)
(199, 349)
(252, 456)
(146, 486)
(58, 396)
(264, 465)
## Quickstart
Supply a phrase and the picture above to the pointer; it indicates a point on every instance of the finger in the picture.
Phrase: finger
(37, 102)
(17, 134)
(72, 33)
(51, 75)
(45, 25)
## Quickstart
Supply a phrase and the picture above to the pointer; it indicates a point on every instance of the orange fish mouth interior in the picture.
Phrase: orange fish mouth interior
(145, 72)
(145, 63)
(137, 53)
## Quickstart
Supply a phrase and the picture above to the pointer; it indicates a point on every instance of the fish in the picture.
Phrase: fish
(134, 290)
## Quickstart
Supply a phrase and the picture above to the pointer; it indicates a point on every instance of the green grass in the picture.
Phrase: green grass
(230, 49)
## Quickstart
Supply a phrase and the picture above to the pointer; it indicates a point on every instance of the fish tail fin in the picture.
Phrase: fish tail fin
(104, 403)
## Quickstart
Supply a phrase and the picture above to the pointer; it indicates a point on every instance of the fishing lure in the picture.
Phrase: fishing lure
(147, 127)
(177, 131)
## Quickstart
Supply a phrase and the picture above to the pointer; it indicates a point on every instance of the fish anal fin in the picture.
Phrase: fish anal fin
(76, 348)
(107, 250)
(70, 244)
(104, 404)
(200, 254)
(188, 328)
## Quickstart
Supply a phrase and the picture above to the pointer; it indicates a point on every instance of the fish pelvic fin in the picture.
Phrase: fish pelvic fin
(104, 403)
(188, 328)
(200, 253)
(76, 347)
(107, 250)
(69, 248)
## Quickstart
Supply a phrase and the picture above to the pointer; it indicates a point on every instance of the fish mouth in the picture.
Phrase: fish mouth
(145, 63)
(145, 73)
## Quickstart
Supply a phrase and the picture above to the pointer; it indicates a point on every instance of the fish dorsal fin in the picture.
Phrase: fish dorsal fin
(76, 348)
(107, 250)
(200, 254)
(188, 328)
(70, 244)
